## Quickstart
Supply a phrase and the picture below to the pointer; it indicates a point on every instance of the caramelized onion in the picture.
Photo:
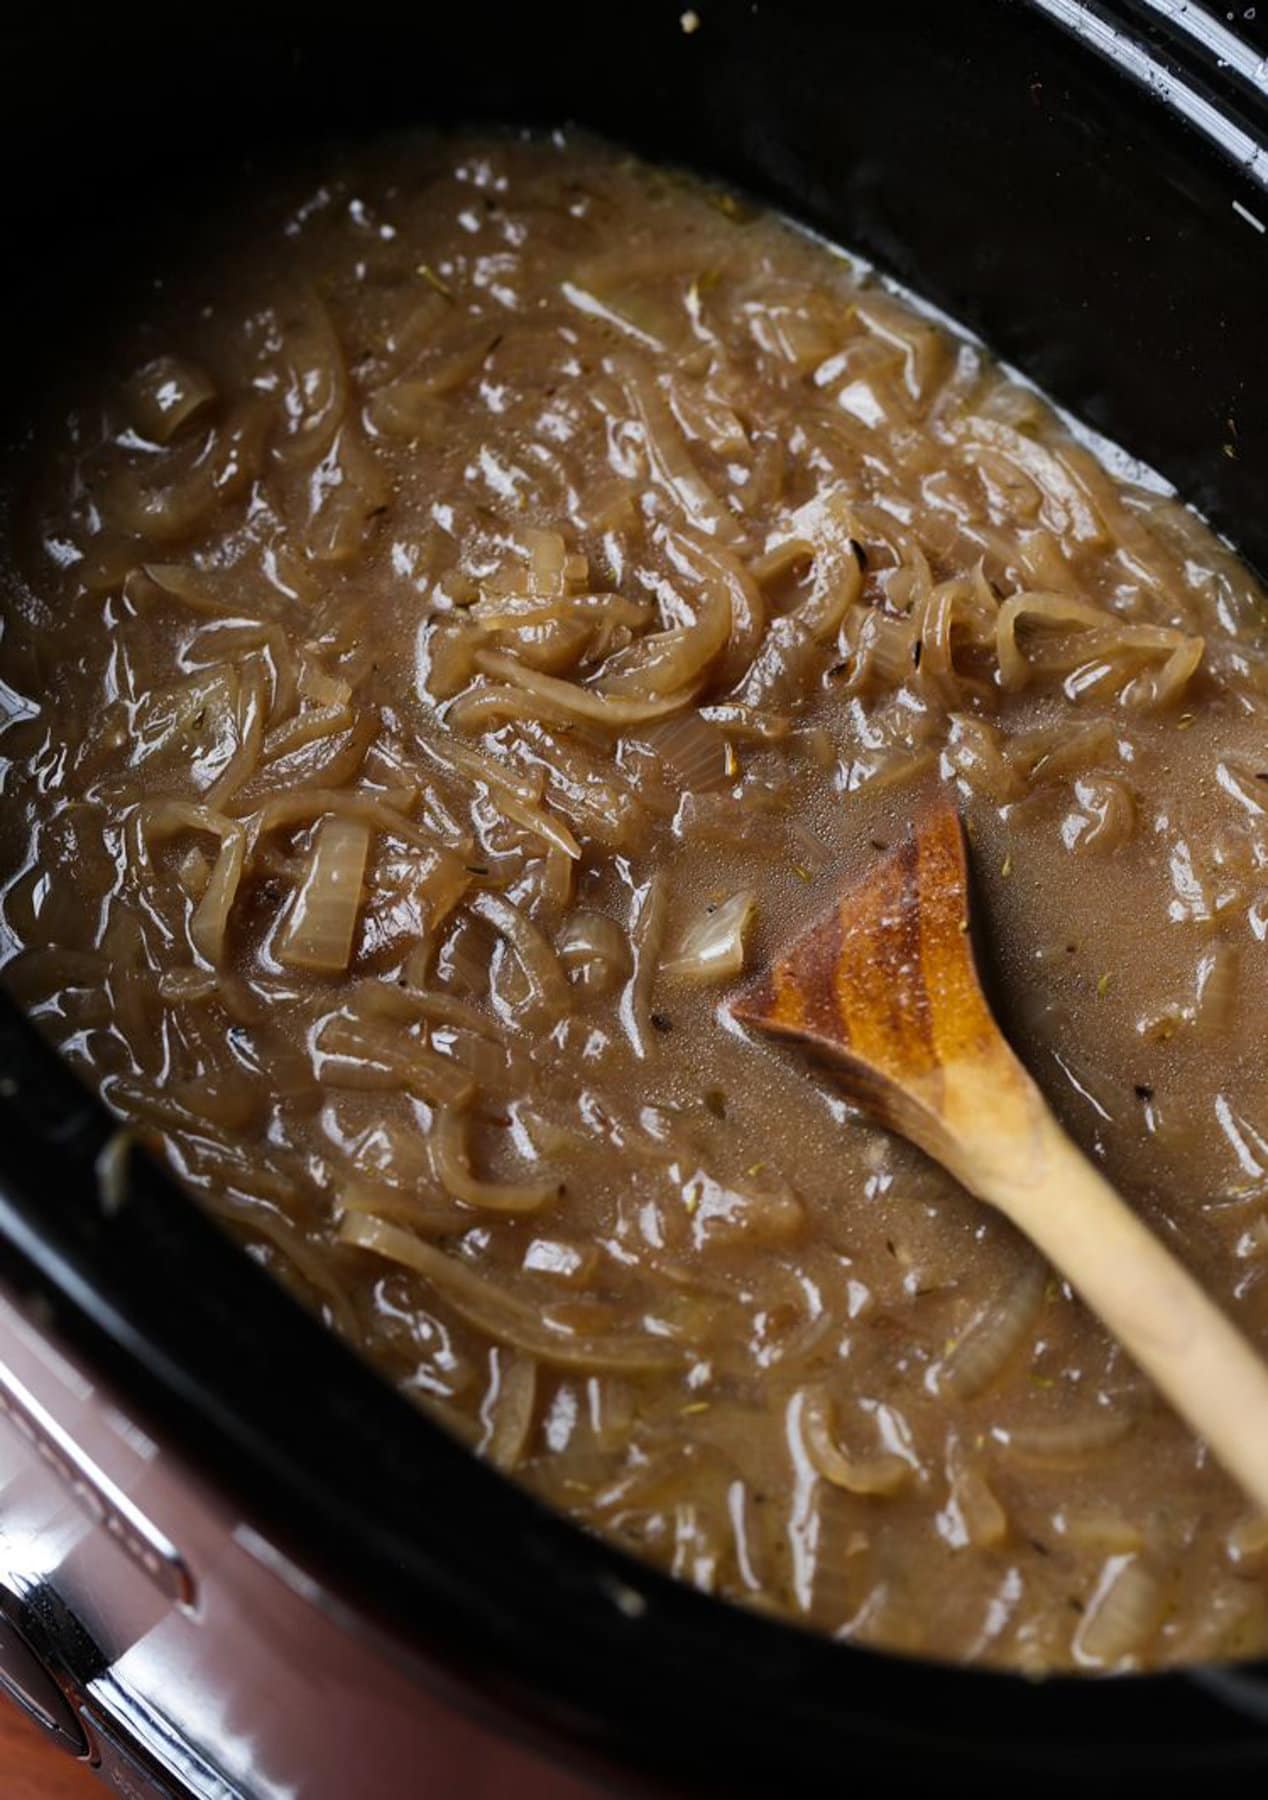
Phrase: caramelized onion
(447, 1145)
(579, 702)
(978, 1514)
(191, 479)
(728, 587)
(411, 683)
(647, 932)
(307, 804)
(690, 747)
(712, 947)
(666, 662)
(162, 818)
(359, 1054)
(1123, 1614)
(547, 997)
(1124, 646)
(592, 948)
(319, 929)
(175, 582)
(827, 523)
(668, 456)
(1072, 1441)
(995, 1336)
(876, 1476)
(503, 1314)
(511, 1412)
(167, 394)
(315, 381)
(517, 798)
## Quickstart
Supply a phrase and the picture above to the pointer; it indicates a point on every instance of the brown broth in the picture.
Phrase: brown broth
(287, 845)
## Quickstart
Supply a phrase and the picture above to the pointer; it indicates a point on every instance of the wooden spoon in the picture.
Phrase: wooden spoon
(885, 992)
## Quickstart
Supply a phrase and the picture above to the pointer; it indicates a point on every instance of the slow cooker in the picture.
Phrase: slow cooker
(232, 1561)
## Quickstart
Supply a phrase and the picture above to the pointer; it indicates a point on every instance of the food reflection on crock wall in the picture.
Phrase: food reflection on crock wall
(489, 605)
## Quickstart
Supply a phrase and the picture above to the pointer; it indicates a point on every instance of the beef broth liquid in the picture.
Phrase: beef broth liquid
(490, 604)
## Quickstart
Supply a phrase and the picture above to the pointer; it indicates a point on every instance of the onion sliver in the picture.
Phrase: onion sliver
(712, 949)
(647, 931)
(994, 1336)
(364, 1055)
(510, 1420)
(307, 804)
(505, 1316)
(1072, 1442)
(579, 702)
(166, 394)
(513, 796)
(162, 818)
(548, 985)
(877, 1476)
(593, 949)
(450, 1159)
(668, 457)
(319, 930)
(1122, 1616)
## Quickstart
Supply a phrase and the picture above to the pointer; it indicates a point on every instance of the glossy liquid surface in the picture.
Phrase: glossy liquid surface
(495, 600)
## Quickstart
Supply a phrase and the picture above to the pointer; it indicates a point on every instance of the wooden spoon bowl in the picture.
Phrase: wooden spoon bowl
(884, 992)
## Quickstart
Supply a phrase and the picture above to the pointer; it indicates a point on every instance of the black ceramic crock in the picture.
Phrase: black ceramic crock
(1087, 187)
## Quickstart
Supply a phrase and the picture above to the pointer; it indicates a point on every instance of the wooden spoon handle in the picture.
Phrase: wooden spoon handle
(1155, 1308)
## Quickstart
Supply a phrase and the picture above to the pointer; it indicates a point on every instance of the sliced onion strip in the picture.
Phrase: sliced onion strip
(322, 922)
(504, 1315)
(579, 702)
(451, 1160)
